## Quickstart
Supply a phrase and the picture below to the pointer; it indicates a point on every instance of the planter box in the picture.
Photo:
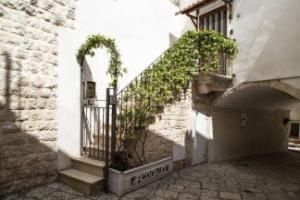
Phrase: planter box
(123, 182)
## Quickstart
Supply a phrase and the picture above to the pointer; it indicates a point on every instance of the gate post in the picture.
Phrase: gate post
(107, 140)
(113, 127)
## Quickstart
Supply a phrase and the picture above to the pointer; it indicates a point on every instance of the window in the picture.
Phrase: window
(294, 133)
(90, 90)
(214, 20)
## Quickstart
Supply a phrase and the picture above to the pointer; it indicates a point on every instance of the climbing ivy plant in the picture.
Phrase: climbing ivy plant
(165, 79)
(115, 69)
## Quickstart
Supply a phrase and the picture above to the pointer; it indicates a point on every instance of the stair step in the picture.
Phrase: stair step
(96, 163)
(84, 182)
(293, 144)
(81, 176)
(88, 165)
(295, 149)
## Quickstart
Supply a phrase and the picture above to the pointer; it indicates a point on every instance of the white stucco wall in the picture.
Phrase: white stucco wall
(263, 132)
(185, 23)
(142, 30)
(68, 99)
(268, 34)
(295, 115)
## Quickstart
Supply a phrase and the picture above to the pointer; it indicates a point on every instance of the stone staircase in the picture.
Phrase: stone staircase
(85, 175)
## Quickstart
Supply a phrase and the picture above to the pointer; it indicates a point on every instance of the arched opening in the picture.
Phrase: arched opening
(260, 96)
(253, 118)
(274, 98)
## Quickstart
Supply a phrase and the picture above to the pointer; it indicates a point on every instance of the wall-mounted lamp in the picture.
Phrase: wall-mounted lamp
(286, 120)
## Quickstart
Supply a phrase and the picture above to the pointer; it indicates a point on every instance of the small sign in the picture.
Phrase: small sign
(90, 90)
(148, 175)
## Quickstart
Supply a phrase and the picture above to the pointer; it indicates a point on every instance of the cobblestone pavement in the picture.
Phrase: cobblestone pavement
(265, 177)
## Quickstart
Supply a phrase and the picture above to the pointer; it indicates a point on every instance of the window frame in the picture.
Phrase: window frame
(205, 16)
(297, 123)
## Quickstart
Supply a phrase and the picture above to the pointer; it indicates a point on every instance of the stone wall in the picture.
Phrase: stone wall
(170, 134)
(28, 72)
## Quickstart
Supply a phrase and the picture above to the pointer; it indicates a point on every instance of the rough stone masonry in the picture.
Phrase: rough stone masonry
(28, 72)
(170, 135)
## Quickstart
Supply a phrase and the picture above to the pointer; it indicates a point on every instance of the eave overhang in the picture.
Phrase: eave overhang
(196, 5)
(199, 4)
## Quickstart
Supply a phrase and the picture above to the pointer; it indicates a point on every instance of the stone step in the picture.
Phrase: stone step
(294, 144)
(294, 140)
(295, 149)
(85, 183)
(88, 165)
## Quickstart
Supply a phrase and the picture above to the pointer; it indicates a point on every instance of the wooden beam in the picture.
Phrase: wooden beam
(193, 19)
(229, 10)
(191, 16)
(193, 6)
(197, 20)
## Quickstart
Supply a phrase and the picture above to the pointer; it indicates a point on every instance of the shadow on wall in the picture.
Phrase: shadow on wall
(156, 147)
(27, 157)
(170, 135)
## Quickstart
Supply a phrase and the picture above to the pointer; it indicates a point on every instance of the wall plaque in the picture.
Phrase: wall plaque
(90, 90)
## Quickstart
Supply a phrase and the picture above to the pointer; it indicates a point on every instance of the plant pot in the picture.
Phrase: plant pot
(122, 182)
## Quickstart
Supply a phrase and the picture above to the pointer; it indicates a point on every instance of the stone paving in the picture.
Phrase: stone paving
(265, 177)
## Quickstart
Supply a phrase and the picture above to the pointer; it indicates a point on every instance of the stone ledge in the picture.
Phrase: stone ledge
(205, 83)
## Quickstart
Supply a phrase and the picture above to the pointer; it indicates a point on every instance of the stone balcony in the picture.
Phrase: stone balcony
(206, 87)
(205, 83)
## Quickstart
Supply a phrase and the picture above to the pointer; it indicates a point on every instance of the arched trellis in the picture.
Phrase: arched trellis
(115, 69)
(102, 116)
